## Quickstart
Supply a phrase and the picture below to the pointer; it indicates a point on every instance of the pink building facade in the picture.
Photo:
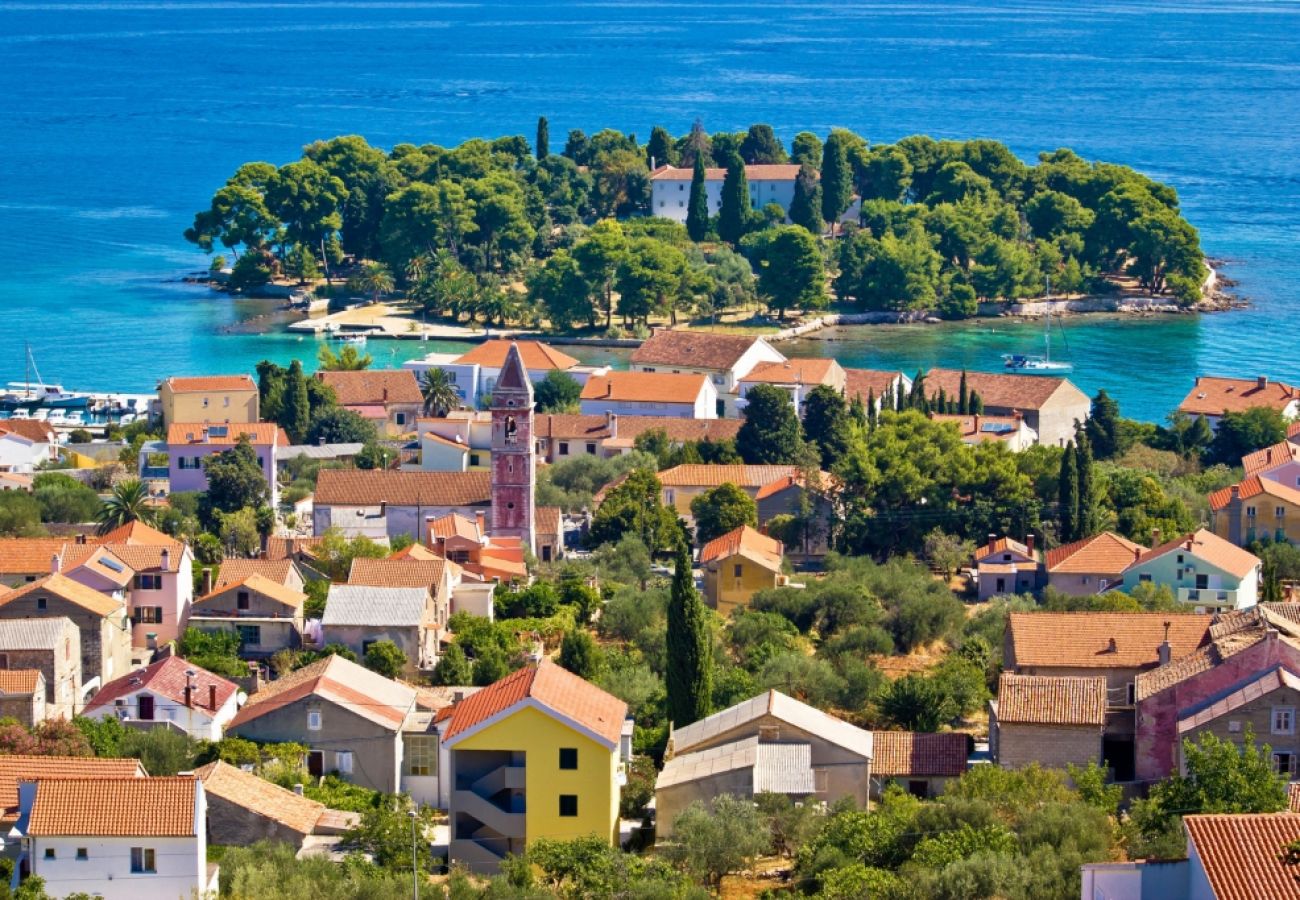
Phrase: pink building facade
(189, 444)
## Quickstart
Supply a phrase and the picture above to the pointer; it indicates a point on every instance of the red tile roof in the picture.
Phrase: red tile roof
(29, 556)
(802, 370)
(536, 355)
(1253, 487)
(1102, 554)
(904, 753)
(1207, 546)
(278, 547)
(1278, 454)
(1002, 545)
(16, 768)
(864, 382)
(373, 386)
(137, 533)
(34, 430)
(706, 475)
(167, 678)
(998, 390)
(755, 172)
(114, 807)
(346, 684)
(20, 681)
(562, 426)
(204, 383)
(259, 584)
(1101, 639)
(744, 541)
(1242, 854)
(692, 349)
(554, 689)
(1215, 396)
(645, 387)
(357, 487)
(246, 790)
(59, 585)
(419, 573)
(233, 570)
(1051, 700)
(260, 434)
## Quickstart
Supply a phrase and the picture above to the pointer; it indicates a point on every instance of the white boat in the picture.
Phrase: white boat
(357, 340)
(57, 418)
(75, 418)
(1025, 364)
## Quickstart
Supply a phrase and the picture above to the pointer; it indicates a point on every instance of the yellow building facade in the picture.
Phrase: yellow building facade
(218, 398)
(737, 565)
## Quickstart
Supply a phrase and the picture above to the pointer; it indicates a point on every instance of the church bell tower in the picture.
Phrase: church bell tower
(514, 461)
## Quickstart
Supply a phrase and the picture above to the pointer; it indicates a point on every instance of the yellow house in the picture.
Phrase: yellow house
(682, 484)
(216, 398)
(539, 754)
(1262, 506)
(737, 565)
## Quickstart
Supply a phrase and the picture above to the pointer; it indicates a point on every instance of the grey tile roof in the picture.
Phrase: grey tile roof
(782, 707)
(33, 634)
(775, 767)
(355, 604)
(321, 451)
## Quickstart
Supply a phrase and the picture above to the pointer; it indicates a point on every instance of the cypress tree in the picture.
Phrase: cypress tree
(697, 210)
(659, 151)
(688, 676)
(916, 398)
(543, 146)
(858, 410)
(1067, 495)
(297, 406)
(941, 402)
(806, 207)
(963, 402)
(1087, 520)
(976, 404)
(1103, 426)
(871, 406)
(734, 215)
(837, 179)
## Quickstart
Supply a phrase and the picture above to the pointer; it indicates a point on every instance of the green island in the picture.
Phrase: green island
(507, 234)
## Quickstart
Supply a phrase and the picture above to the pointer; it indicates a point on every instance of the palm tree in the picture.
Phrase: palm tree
(439, 390)
(129, 502)
(375, 279)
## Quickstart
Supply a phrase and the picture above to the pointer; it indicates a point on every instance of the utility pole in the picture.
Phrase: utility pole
(415, 856)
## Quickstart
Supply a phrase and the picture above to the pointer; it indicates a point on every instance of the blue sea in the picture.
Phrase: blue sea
(119, 119)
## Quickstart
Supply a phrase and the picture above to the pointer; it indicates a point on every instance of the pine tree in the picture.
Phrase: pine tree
(297, 407)
(837, 178)
(1087, 521)
(733, 217)
(1067, 496)
(697, 210)
(963, 401)
(543, 147)
(806, 207)
(688, 670)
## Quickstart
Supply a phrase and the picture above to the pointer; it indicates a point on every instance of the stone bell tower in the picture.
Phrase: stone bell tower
(514, 459)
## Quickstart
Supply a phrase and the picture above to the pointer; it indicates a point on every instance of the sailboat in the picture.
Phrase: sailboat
(1023, 364)
(38, 393)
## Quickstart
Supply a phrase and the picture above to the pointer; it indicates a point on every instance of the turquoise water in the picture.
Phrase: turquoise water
(119, 119)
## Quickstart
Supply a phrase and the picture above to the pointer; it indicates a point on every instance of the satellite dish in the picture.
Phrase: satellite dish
(241, 698)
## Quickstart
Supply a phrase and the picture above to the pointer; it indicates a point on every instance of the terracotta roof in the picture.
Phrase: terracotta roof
(16, 768)
(705, 475)
(1051, 700)
(692, 349)
(861, 382)
(1278, 454)
(34, 430)
(373, 386)
(260, 434)
(246, 790)
(980, 428)
(414, 573)
(902, 753)
(1242, 853)
(548, 520)
(453, 525)
(20, 681)
(278, 547)
(1102, 554)
(1202, 714)
(167, 678)
(114, 807)
(1207, 546)
(562, 426)
(415, 551)
(1214, 396)
(801, 370)
(657, 387)
(202, 383)
(147, 558)
(100, 560)
(554, 689)
(29, 556)
(1136, 637)
(358, 487)
(1293, 796)
(59, 585)
(756, 172)
(447, 442)
(785, 482)
(998, 390)
(259, 584)
(138, 534)
(536, 355)
(1253, 487)
(233, 570)
(744, 541)
(355, 688)
(1002, 545)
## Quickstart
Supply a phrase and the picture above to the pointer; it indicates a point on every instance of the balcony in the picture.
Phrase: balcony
(1207, 597)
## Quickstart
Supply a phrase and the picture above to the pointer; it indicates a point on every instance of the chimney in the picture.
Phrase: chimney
(212, 697)
(81, 540)
(189, 686)
(55, 564)
(1137, 553)
(1165, 650)
(1155, 537)
(165, 560)
(481, 516)
(207, 581)
(1236, 492)
(977, 423)
(254, 678)
(1111, 646)
(385, 396)
(1261, 382)
(992, 538)
(1029, 544)
(1198, 381)
(611, 423)
(297, 789)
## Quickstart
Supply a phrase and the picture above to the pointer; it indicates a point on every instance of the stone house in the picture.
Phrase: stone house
(172, 691)
(1049, 720)
(244, 808)
(267, 615)
(22, 696)
(921, 764)
(390, 398)
(102, 621)
(358, 616)
(51, 647)
(1050, 406)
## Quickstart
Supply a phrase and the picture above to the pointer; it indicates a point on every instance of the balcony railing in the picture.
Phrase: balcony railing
(1207, 597)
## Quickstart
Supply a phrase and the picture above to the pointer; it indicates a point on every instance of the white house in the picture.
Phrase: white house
(475, 373)
(670, 188)
(117, 838)
(683, 396)
(171, 690)
(725, 358)
(25, 444)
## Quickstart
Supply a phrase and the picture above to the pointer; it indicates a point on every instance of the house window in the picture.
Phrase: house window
(473, 459)
(148, 582)
(568, 805)
(568, 757)
(148, 615)
(250, 635)
(241, 600)
(1180, 559)
(225, 401)
(205, 402)
(82, 853)
(1144, 578)
(421, 755)
(40, 603)
(564, 448)
(1284, 720)
(681, 203)
(142, 860)
(1006, 557)
(591, 448)
(400, 418)
(1234, 726)
(738, 570)
(1280, 512)
(343, 761)
(313, 720)
(1284, 763)
(49, 853)
(4, 659)
(1250, 511)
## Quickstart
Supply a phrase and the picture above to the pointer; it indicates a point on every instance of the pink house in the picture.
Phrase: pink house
(189, 444)
(162, 587)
